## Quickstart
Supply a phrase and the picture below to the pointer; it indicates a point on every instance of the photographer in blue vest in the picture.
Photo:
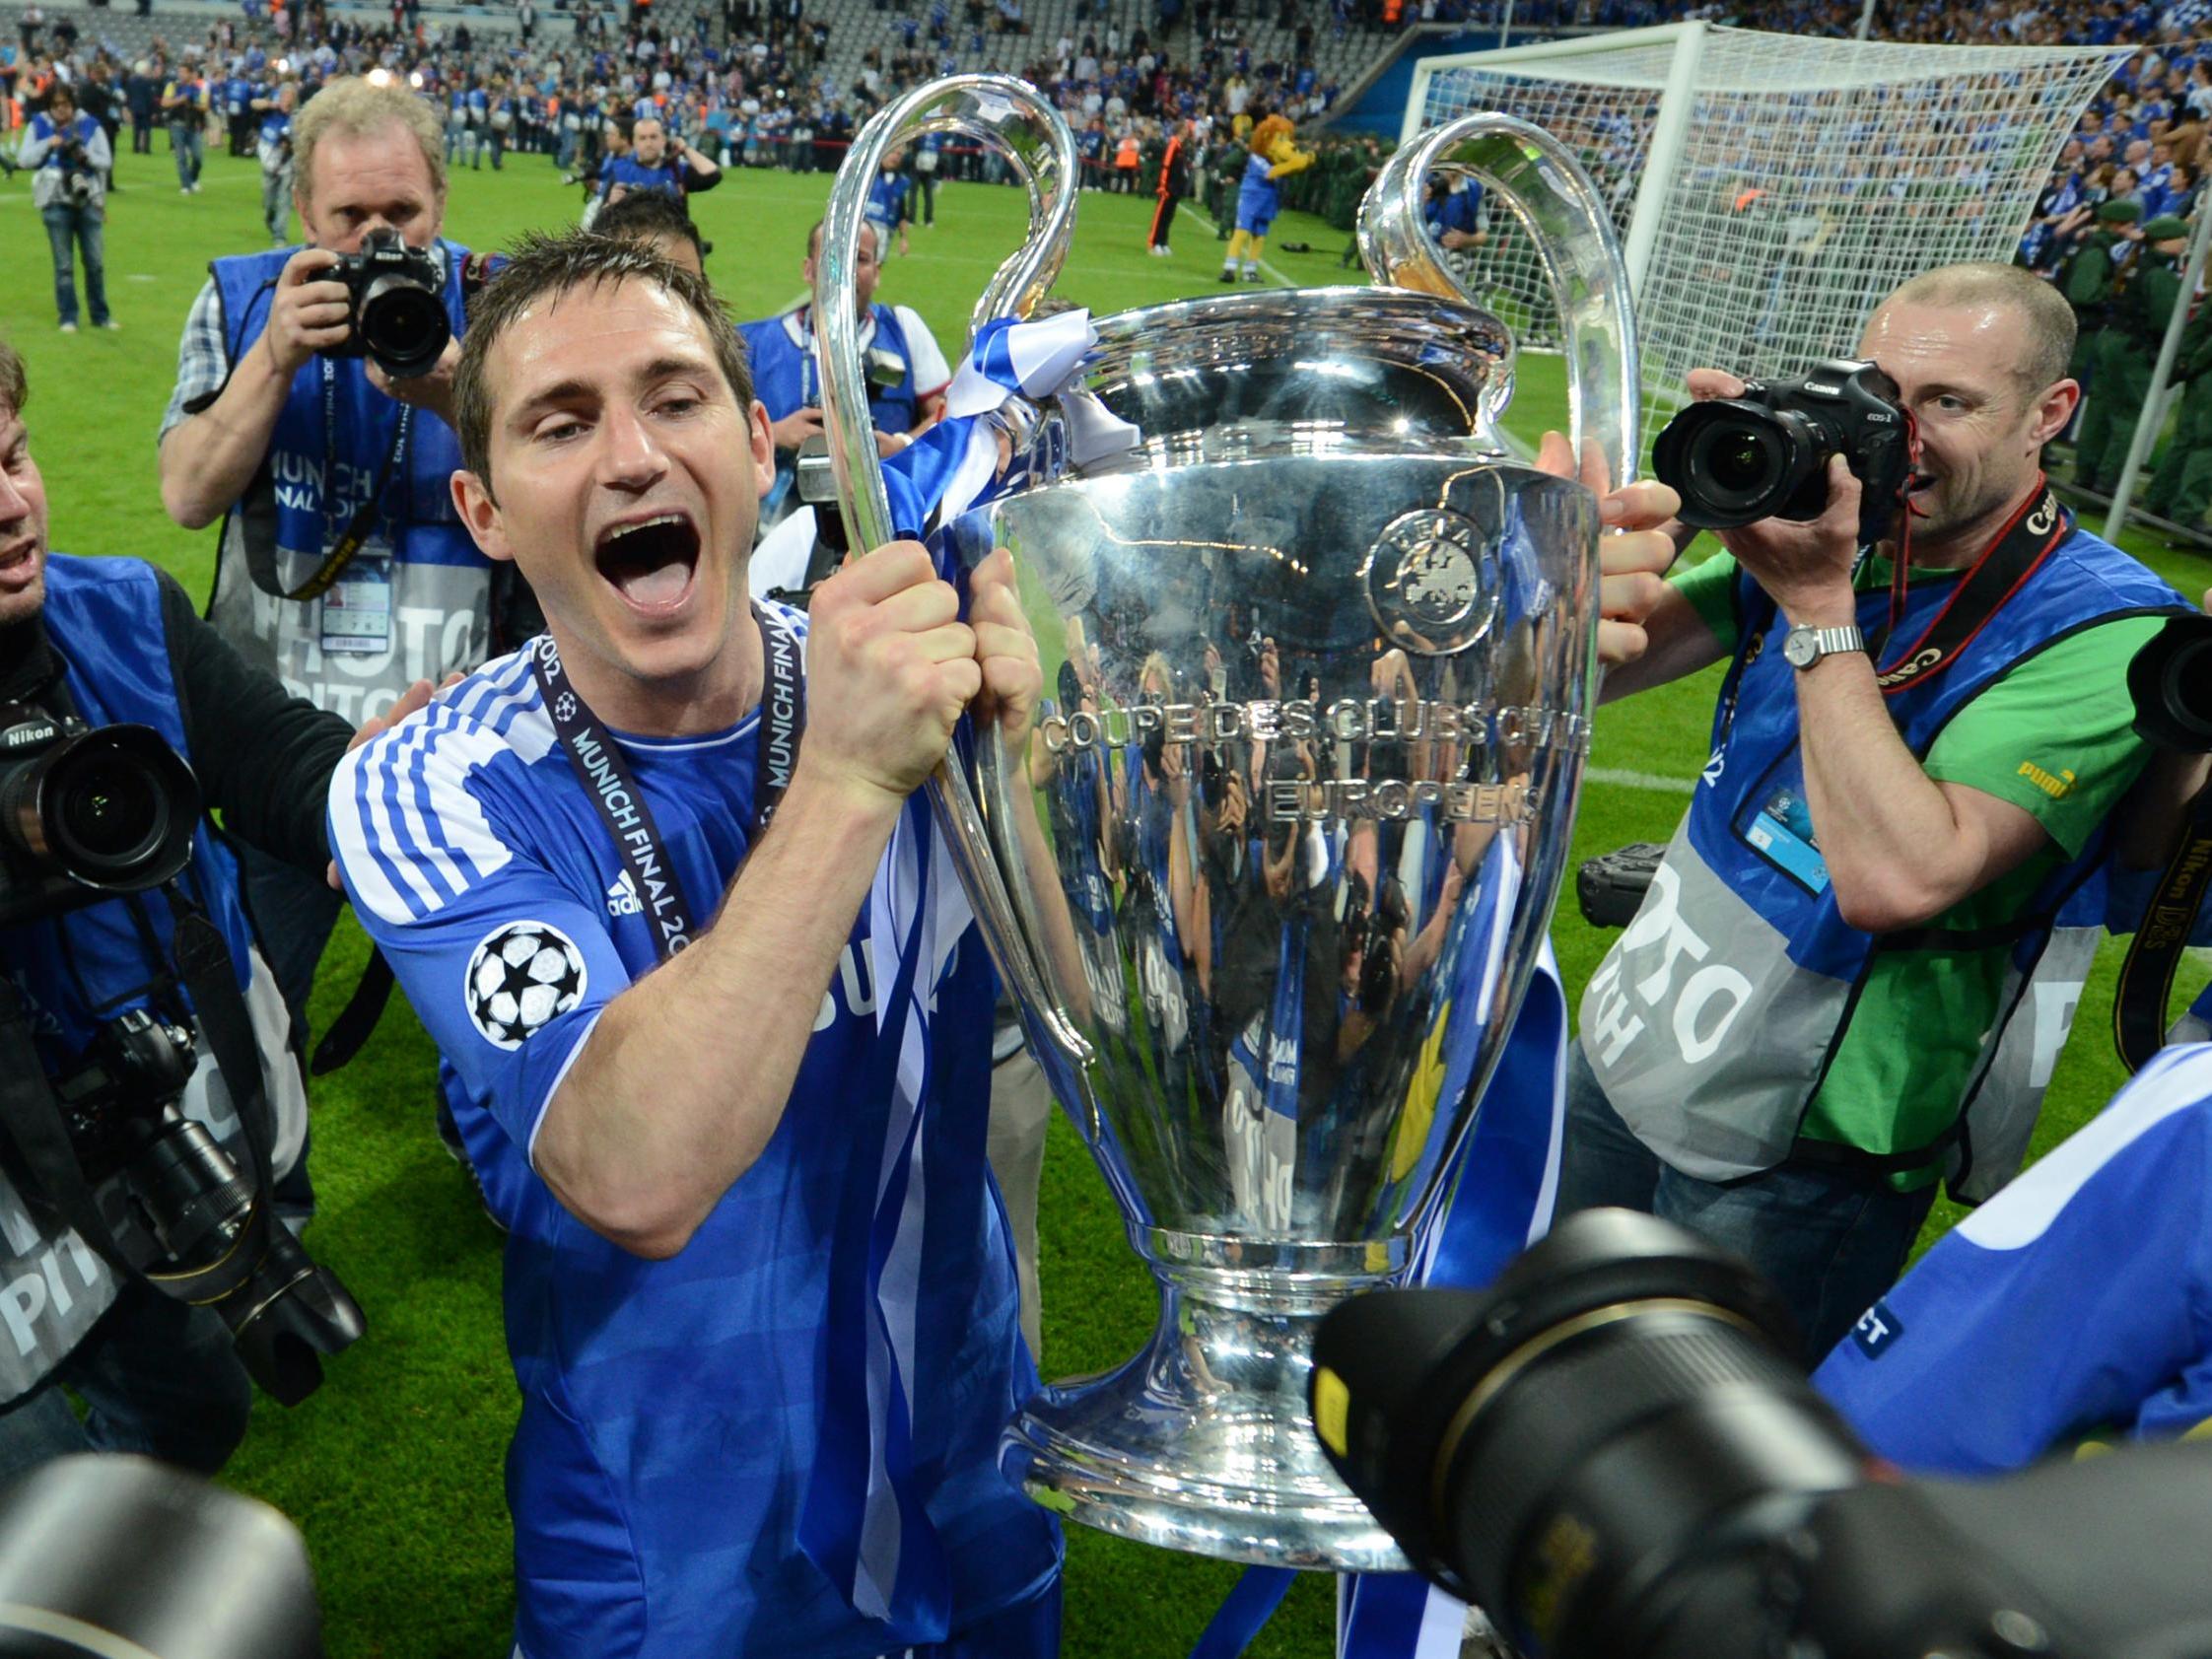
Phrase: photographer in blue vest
(656, 160)
(906, 370)
(151, 1011)
(1858, 960)
(342, 570)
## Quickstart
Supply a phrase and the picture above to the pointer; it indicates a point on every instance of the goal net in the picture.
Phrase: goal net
(1769, 189)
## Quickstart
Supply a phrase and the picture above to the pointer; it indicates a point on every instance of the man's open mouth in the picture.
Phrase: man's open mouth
(1916, 487)
(651, 561)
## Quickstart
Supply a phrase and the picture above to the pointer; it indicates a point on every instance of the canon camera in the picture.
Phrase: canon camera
(1735, 461)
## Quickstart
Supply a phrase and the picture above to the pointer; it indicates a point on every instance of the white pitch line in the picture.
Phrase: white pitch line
(1639, 780)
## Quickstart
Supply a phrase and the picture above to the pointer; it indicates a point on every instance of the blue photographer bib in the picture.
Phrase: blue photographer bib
(414, 603)
(79, 970)
(1716, 1021)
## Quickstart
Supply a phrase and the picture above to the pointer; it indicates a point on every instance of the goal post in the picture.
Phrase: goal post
(1768, 190)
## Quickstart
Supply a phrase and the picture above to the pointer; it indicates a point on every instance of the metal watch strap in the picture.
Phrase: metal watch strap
(1829, 642)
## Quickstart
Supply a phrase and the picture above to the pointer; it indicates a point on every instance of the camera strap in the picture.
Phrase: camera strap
(2146, 977)
(605, 770)
(260, 554)
(30, 1117)
(2030, 537)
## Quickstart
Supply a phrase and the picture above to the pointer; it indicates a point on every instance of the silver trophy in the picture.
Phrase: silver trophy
(1268, 874)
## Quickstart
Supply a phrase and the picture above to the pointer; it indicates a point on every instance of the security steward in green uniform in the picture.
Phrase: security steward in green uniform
(2127, 352)
(2182, 488)
(2089, 278)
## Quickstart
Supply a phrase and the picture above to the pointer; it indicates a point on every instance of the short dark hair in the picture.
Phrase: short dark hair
(647, 216)
(546, 268)
(15, 385)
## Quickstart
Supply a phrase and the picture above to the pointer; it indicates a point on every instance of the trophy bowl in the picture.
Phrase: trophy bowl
(1268, 874)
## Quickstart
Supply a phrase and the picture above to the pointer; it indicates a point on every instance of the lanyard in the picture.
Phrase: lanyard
(338, 550)
(600, 763)
(2013, 555)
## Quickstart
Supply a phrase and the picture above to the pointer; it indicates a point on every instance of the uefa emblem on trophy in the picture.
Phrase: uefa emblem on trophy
(1270, 874)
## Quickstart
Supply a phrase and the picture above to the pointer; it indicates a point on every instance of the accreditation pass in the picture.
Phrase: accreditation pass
(357, 610)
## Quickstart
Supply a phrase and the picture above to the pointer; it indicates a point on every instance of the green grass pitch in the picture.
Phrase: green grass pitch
(394, 1469)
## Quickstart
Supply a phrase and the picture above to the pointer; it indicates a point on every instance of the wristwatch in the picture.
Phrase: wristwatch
(1804, 647)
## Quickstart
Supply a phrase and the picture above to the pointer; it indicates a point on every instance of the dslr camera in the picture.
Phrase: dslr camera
(1735, 461)
(395, 307)
(78, 180)
(86, 813)
(89, 813)
(1609, 1454)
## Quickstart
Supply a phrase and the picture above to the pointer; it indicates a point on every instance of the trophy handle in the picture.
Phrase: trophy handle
(1015, 118)
(1565, 217)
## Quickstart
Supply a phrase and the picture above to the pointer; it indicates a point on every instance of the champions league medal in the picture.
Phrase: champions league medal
(1268, 874)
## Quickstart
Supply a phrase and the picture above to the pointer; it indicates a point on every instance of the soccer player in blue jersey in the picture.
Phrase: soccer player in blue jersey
(2070, 1306)
(685, 1143)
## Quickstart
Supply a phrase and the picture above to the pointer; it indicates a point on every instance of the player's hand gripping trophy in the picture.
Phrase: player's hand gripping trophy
(1270, 868)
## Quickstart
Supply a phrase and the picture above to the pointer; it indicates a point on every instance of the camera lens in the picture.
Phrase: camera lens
(2170, 682)
(112, 809)
(1566, 1449)
(107, 812)
(1734, 461)
(403, 327)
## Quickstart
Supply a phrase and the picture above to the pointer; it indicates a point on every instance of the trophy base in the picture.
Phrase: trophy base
(1203, 1443)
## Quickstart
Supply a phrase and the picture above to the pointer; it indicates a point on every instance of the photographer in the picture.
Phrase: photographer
(110, 641)
(274, 148)
(907, 372)
(70, 156)
(656, 162)
(342, 569)
(184, 105)
(1851, 975)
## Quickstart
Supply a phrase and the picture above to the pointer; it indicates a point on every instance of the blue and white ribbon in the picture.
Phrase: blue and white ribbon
(1500, 1202)
(864, 1519)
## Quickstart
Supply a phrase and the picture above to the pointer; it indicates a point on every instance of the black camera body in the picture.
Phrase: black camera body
(79, 183)
(1735, 461)
(86, 812)
(1611, 887)
(395, 305)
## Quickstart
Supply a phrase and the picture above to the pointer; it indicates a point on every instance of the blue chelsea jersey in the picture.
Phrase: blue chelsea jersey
(670, 1409)
(2073, 1303)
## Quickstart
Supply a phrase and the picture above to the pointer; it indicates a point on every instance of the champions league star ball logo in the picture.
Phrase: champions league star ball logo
(519, 976)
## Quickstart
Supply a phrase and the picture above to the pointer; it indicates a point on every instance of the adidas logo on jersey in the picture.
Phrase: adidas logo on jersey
(622, 897)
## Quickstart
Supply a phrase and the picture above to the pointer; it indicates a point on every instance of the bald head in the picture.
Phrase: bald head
(2046, 323)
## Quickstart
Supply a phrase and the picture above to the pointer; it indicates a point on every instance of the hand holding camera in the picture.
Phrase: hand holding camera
(381, 301)
(1795, 477)
(311, 312)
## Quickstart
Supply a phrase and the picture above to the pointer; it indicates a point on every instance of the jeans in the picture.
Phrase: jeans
(1831, 1240)
(188, 146)
(70, 226)
(157, 1377)
(276, 204)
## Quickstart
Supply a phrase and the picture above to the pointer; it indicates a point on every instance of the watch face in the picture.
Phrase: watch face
(1799, 649)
